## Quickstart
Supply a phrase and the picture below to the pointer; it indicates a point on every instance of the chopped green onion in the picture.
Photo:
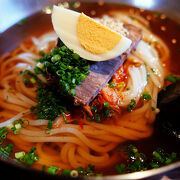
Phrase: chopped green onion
(165, 88)
(64, 117)
(72, 92)
(19, 155)
(18, 126)
(112, 85)
(153, 70)
(94, 109)
(158, 157)
(106, 104)
(26, 80)
(127, 88)
(6, 150)
(131, 105)
(30, 157)
(107, 113)
(20, 121)
(154, 165)
(32, 80)
(146, 96)
(53, 170)
(153, 109)
(74, 173)
(49, 126)
(172, 78)
(97, 118)
(10, 126)
(41, 53)
(3, 134)
(148, 74)
(55, 58)
(40, 65)
(75, 56)
(66, 172)
(22, 22)
(43, 168)
(120, 169)
(15, 130)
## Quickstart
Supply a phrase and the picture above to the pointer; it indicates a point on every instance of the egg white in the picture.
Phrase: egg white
(65, 22)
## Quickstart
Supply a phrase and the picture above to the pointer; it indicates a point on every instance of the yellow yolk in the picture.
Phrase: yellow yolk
(94, 37)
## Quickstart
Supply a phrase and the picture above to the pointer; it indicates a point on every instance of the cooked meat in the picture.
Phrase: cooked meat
(101, 72)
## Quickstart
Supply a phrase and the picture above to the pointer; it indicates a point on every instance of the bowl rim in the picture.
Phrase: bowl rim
(127, 176)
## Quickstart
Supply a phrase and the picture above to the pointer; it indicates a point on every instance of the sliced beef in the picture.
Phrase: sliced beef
(101, 72)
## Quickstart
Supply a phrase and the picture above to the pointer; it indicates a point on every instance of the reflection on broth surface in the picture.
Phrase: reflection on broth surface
(37, 115)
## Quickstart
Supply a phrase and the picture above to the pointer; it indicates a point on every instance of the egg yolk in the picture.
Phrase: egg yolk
(95, 37)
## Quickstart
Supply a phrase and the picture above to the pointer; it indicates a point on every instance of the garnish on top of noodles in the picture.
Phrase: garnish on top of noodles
(87, 37)
(64, 70)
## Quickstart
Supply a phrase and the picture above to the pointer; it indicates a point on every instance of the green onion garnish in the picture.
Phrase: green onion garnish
(53, 170)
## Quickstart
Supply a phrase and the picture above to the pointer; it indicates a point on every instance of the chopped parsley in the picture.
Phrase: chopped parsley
(50, 104)
(131, 105)
(172, 78)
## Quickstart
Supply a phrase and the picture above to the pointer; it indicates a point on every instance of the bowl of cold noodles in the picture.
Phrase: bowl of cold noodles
(90, 90)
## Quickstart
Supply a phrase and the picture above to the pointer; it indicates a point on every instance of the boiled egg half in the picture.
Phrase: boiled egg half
(88, 38)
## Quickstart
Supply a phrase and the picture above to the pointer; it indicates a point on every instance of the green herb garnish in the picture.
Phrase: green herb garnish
(172, 78)
(69, 68)
(3, 134)
(49, 104)
(29, 158)
(22, 22)
(106, 104)
(146, 96)
(131, 105)
(112, 85)
(53, 170)
(153, 70)
(137, 161)
(6, 150)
